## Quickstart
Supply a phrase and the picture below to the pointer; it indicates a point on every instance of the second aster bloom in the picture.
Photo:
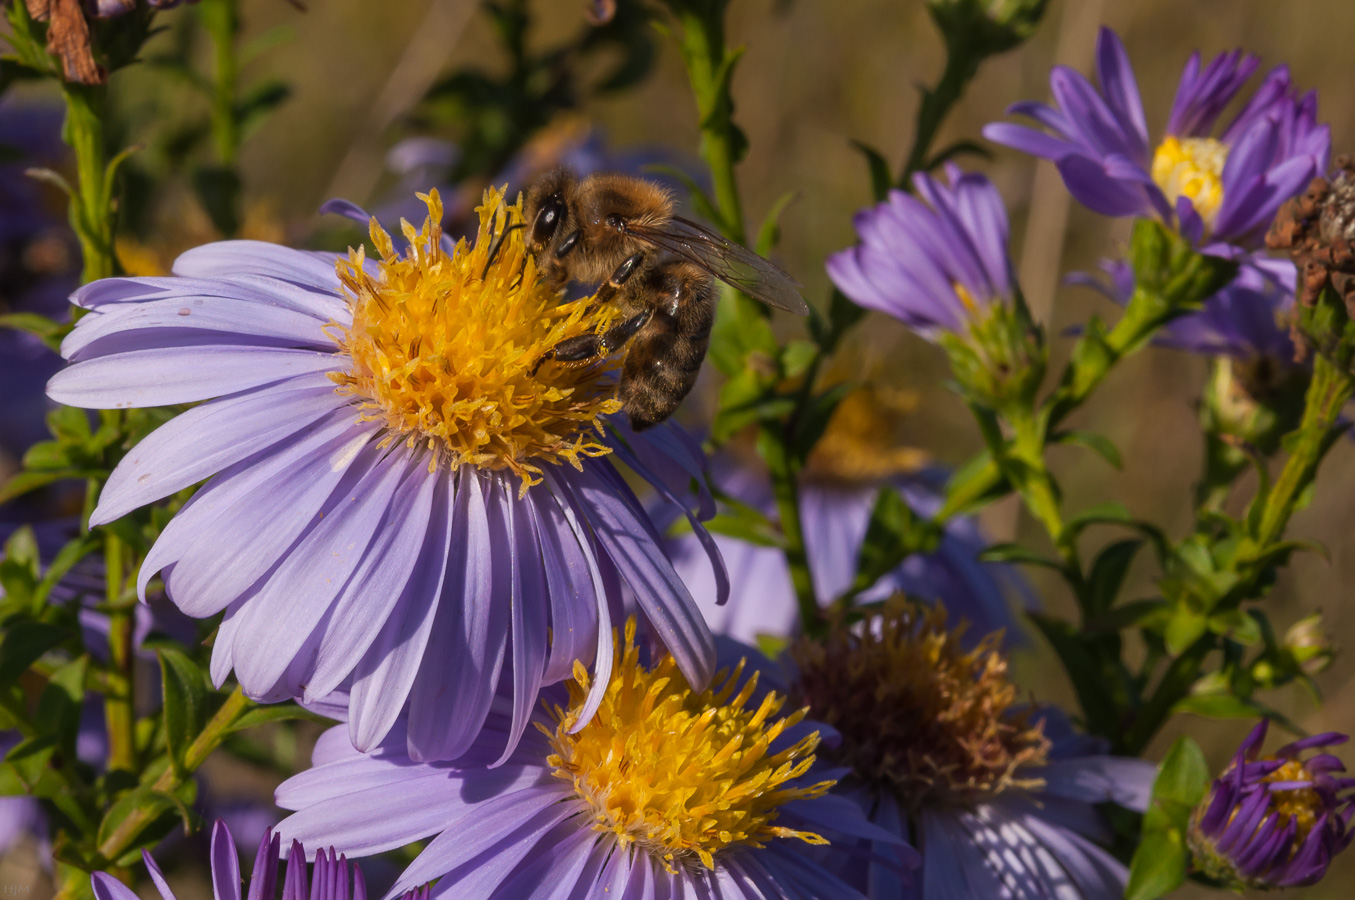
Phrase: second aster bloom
(999, 796)
(1275, 821)
(934, 261)
(401, 502)
(666, 793)
(1220, 185)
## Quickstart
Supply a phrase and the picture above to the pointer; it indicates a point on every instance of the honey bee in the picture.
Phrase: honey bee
(657, 267)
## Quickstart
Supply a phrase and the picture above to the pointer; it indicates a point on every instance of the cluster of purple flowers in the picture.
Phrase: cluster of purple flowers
(409, 525)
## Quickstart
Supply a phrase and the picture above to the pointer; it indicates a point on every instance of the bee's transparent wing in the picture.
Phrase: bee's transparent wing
(740, 268)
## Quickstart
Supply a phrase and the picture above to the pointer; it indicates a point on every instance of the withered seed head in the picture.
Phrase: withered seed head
(1318, 229)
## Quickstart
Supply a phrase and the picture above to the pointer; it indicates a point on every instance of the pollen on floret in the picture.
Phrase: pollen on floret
(678, 774)
(445, 345)
(1192, 168)
(918, 713)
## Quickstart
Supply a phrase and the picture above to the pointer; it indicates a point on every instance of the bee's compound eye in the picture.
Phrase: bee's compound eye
(547, 220)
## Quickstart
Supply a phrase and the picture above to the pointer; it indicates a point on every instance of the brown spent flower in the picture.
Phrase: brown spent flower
(1318, 229)
(917, 712)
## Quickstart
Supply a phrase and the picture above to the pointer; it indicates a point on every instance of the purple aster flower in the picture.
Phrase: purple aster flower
(665, 792)
(999, 797)
(1221, 186)
(329, 880)
(403, 500)
(1274, 821)
(933, 265)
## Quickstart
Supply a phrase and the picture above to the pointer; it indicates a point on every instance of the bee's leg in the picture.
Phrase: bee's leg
(496, 246)
(587, 347)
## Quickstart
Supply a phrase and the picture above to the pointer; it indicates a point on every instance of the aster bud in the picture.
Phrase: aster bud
(1309, 644)
(1318, 230)
(1000, 359)
(986, 27)
(1274, 821)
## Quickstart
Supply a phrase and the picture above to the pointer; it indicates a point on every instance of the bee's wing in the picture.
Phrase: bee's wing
(741, 269)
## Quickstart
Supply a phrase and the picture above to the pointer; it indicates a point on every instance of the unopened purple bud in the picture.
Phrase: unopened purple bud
(1274, 821)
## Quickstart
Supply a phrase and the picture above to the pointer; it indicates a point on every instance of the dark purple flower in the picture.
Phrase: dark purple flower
(329, 880)
(401, 498)
(1220, 186)
(1275, 821)
(933, 265)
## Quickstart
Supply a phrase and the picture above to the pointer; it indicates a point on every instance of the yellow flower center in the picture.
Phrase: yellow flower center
(679, 774)
(1298, 804)
(1192, 168)
(444, 348)
(919, 714)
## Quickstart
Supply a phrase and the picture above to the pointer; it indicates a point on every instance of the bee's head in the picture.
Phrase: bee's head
(547, 208)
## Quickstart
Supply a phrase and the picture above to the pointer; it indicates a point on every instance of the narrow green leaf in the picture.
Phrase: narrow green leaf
(769, 235)
(187, 694)
(22, 644)
(277, 712)
(1108, 571)
(1183, 776)
(1098, 443)
(881, 179)
(61, 702)
(1016, 553)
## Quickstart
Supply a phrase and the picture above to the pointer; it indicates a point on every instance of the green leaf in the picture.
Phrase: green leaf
(65, 560)
(261, 100)
(881, 178)
(1159, 865)
(61, 702)
(1087, 677)
(30, 480)
(1108, 571)
(49, 331)
(1217, 706)
(1160, 862)
(149, 802)
(797, 356)
(749, 526)
(893, 533)
(769, 235)
(22, 644)
(1183, 776)
(1112, 512)
(1237, 625)
(1185, 628)
(277, 712)
(1139, 613)
(1016, 553)
(1098, 443)
(187, 695)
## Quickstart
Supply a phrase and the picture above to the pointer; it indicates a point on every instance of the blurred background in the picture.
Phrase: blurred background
(815, 76)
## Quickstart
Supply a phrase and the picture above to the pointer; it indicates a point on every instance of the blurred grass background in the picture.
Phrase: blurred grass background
(816, 76)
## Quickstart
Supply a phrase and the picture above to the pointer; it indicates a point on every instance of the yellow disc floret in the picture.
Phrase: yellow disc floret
(445, 348)
(1192, 168)
(678, 774)
(918, 713)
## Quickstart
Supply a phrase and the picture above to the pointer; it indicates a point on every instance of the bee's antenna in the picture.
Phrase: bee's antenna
(494, 248)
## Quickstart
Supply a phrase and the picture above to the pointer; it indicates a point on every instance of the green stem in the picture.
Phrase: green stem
(936, 104)
(91, 209)
(221, 19)
(216, 731)
(708, 59)
(785, 489)
(118, 702)
(1328, 393)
